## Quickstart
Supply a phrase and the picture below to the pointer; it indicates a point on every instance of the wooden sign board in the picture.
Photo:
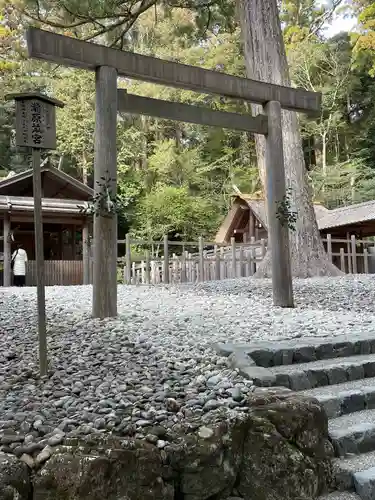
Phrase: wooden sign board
(35, 123)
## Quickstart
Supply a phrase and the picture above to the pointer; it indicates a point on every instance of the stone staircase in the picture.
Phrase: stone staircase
(340, 373)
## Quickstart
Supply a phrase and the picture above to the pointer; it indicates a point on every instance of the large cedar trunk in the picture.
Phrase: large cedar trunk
(265, 60)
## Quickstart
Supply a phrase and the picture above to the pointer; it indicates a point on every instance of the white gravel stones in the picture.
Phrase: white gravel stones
(154, 366)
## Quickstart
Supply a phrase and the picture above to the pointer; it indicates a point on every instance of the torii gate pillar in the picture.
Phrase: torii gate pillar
(104, 302)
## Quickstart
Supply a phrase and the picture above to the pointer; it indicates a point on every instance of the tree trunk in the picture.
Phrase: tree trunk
(84, 169)
(265, 60)
(324, 154)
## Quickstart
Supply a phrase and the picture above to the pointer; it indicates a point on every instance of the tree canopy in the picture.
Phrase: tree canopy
(178, 178)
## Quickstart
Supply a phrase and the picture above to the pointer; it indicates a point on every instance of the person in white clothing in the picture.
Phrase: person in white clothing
(19, 259)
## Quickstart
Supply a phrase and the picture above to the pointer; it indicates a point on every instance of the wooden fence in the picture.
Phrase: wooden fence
(222, 262)
(163, 262)
(57, 272)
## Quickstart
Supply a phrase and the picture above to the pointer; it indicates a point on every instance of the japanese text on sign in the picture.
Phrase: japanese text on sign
(35, 124)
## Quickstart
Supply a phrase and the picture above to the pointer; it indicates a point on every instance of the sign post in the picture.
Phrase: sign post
(36, 128)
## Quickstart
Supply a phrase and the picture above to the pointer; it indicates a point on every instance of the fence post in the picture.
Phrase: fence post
(329, 247)
(365, 260)
(201, 260)
(349, 253)
(263, 247)
(166, 260)
(143, 272)
(217, 263)
(354, 254)
(133, 280)
(183, 267)
(147, 269)
(342, 260)
(7, 272)
(128, 260)
(234, 257)
(223, 264)
(252, 256)
(241, 262)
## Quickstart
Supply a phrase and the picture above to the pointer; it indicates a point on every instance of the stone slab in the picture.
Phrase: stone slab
(340, 495)
(364, 483)
(345, 468)
(353, 433)
(306, 349)
(345, 398)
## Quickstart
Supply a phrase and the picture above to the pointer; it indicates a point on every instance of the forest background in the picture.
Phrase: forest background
(175, 178)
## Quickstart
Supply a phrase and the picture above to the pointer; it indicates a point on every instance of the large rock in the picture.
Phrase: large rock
(209, 466)
(119, 474)
(277, 450)
(287, 453)
(14, 478)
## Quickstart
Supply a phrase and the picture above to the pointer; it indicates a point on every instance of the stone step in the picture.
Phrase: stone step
(353, 433)
(302, 350)
(345, 468)
(364, 484)
(340, 495)
(319, 373)
(348, 397)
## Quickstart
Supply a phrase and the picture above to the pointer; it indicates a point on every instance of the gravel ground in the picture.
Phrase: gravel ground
(153, 366)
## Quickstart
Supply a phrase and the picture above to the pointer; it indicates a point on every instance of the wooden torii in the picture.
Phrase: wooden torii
(110, 63)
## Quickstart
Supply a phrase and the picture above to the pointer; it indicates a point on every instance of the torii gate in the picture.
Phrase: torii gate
(108, 64)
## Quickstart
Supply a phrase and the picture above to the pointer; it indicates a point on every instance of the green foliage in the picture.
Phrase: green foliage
(178, 178)
(174, 211)
(284, 212)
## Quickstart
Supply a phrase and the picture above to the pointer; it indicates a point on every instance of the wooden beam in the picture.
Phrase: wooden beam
(278, 232)
(86, 253)
(7, 272)
(39, 258)
(105, 166)
(72, 52)
(130, 103)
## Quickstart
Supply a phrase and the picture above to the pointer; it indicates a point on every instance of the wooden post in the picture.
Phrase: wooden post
(278, 233)
(251, 224)
(354, 254)
(86, 253)
(183, 267)
(105, 165)
(133, 280)
(234, 257)
(201, 260)
(39, 259)
(329, 247)
(7, 272)
(263, 248)
(365, 260)
(252, 256)
(342, 260)
(128, 260)
(242, 274)
(74, 248)
(217, 263)
(349, 253)
(166, 260)
(147, 276)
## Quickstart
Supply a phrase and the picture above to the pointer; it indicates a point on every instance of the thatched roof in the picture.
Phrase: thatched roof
(347, 216)
(343, 216)
(15, 184)
(259, 209)
(353, 215)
